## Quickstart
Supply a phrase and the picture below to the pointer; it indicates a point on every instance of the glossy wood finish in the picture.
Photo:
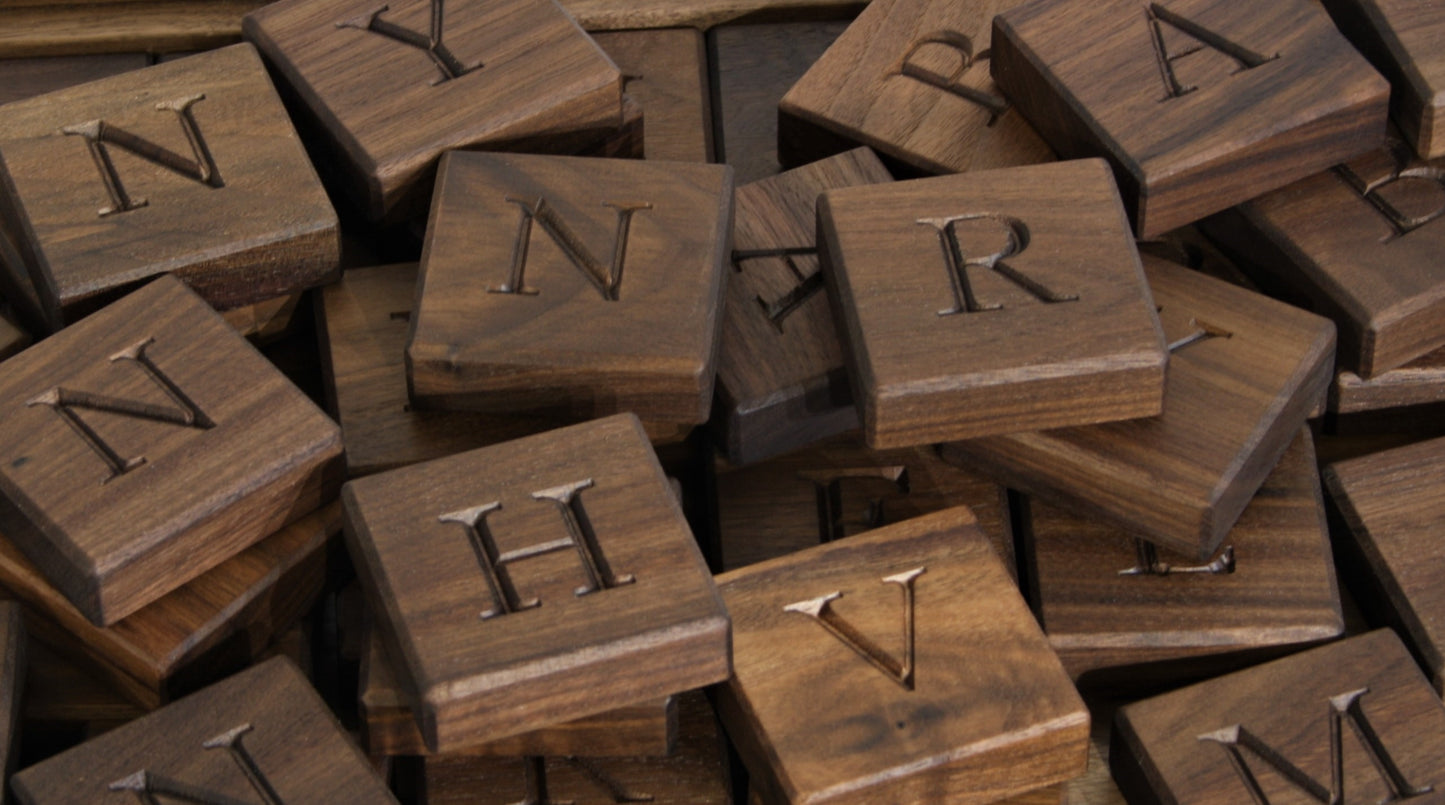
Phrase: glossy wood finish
(1190, 128)
(261, 226)
(665, 71)
(928, 363)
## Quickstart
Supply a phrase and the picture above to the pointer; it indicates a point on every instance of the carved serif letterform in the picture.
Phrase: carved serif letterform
(429, 43)
(1157, 16)
(954, 48)
(149, 787)
(580, 538)
(1235, 740)
(1015, 241)
(828, 492)
(99, 136)
(900, 671)
(1401, 221)
(67, 402)
(808, 283)
(606, 279)
(1149, 563)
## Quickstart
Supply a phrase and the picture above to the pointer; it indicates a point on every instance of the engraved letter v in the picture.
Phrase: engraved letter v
(898, 671)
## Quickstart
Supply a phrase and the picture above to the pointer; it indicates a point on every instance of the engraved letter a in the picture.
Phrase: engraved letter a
(607, 279)
(1157, 16)
(900, 671)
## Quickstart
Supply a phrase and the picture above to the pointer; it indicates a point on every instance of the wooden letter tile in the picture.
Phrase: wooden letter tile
(665, 70)
(1112, 604)
(536, 581)
(990, 302)
(190, 167)
(394, 87)
(911, 79)
(262, 736)
(1352, 721)
(582, 286)
(1244, 372)
(1393, 503)
(781, 380)
(1419, 382)
(148, 443)
(897, 666)
(1199, 104)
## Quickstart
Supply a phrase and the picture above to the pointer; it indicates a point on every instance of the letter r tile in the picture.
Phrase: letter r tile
(536, 581)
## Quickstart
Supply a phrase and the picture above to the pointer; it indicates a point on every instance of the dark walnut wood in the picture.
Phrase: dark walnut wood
(499, 75)
(1401, 39)
(209, 627)
(583, 287)
(1274, 724)
(43, 28)
(1198, 104)
(840, 489)
(190, 167)
(1419, 382)
(609, 15)
(755, 64)
(1392, 503)
(1244, 372)
(387, 712)
(990, 302)
(1124, 614)
(1359, 243)
(695, 774)
(896, 666)
(260, 736)
(911, 79)
(265, 321)
(13, 659)
(26, 78)
(781, 379)
(665, 71)
(362, 324)
(62, 702)
(12, 338)
(536, 581)
(149, 443)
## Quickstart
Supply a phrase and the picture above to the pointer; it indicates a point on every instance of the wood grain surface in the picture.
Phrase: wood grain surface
(61, 697)
(1191, 128)
(930, 364)
(665, 71)
(153, 26)
(26, 78)
(12, 338)
(987, 713)
(1419, 382)
(260, 227)
(608, 15)
(13, 651)
(146, 471)
(508, 320)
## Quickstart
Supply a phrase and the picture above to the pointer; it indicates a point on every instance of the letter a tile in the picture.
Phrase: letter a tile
(147, 444)
(581, 287)
(536, 581)
(990, 302)
(898, 666)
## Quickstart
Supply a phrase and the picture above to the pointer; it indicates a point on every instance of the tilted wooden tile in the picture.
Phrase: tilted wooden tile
(393, 88)
(190, 168)
(1117, 610)
(362, 326)
(40, 29)
(665, 70)
(1393, 503)
(149, 443)
(911, 79)
(781, 379)
(1420, 382)
(264, 321)
(841, 489)
(262, 735)
(896, 666)
(1244, 372)
(1401, 39)
(207, 628)
(1360, 244)
(1199, 104)
(536, 581)
(1277, 732)
(613, 15)
(13, 652)
(990, 302)
(26, 78)
(648, 729)
(523, 303)
(693, 775)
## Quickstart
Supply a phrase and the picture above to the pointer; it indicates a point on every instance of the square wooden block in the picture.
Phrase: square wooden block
(579, 286)
(536, 581)
(190, 168)
(990, 302)
(261, 736)
(1393, 503)
(1244, 372)
(896, 666)
(1307, 728)
(1198, 104)
(392, 87)
(781, 379)
(1118, 610)
(910, 78)
(1419, 382)
(665, 71)
(1360, 243)
(149, 443)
